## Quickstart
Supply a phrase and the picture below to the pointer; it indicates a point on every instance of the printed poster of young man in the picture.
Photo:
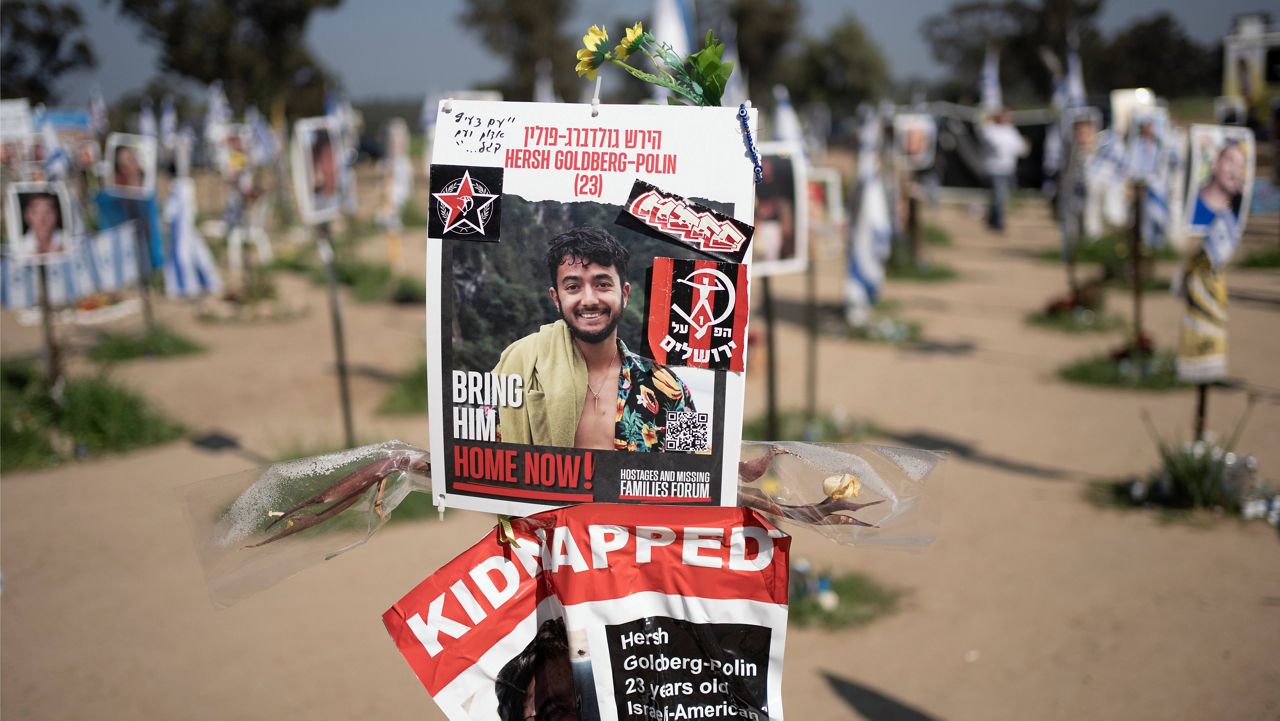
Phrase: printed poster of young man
(782, 212)
(37, 215)
(544, 387)
(316, 168)
(914, 136)
(130, 166)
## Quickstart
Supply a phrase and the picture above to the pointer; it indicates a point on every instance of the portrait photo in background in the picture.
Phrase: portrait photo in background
(317, 166)
(914, 138)
(37, 219)
(781, 243)
(1221, 177)
(130, 166)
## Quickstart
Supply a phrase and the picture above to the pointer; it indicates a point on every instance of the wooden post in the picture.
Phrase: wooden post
(52, 355)
(325, 246)
(142, 241)
(1135, 252)
(1202, 404)
(811, 325)
(771, 379)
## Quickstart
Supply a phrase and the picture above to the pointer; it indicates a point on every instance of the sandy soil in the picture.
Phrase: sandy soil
(1032, 604)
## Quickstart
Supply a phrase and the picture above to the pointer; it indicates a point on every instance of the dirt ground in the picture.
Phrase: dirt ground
(1031, 604)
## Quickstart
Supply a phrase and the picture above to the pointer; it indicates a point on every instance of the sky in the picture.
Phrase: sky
(406, 48)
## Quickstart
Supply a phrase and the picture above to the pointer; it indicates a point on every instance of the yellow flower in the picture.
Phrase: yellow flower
(629, 42)
(592, 55)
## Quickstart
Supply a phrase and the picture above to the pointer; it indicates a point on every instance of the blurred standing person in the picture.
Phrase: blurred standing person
(1004, 146)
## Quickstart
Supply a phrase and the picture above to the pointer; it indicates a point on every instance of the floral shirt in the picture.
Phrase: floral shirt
(646, 392)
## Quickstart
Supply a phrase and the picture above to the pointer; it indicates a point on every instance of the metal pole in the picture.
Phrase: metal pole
(142, 240)
(771, 380)
(1202, 403)
(811, 321)
(1135, 251)
(325, 247)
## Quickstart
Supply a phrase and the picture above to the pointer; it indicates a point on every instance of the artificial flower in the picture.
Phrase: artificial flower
(593, 53)
(630, 42)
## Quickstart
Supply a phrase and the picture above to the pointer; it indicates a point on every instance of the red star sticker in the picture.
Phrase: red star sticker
(463, 203)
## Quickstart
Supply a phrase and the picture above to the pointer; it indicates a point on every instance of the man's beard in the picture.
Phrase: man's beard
(593, 338)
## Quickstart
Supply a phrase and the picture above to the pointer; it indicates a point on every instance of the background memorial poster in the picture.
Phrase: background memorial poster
(827, 217)
(317, 165)
(605, 612)
(1123, 103)
(529, 271)
(130, 166)
(1221, 179)
(914, 137)
(37, 221)
(782, 211)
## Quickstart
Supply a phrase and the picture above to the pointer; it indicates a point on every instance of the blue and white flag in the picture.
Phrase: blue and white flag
(735, 91)
(544, 86)
(989, 84)
(147, 120)
(112, 257)
(57, 163)
(168, 124)
(189, 269)
(671, 22)
(263, 146)
(216, 117)
(1075, 74)
(98, 111)
(871, 235)
(103, 262)
(786, 123)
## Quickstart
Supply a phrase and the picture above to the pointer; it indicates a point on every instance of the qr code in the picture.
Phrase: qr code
(688, 432)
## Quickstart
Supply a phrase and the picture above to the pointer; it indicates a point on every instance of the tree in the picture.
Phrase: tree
(1157, 53)
(255, 48)
(766, 32)
(959, 39)
(525, 32)
(843, 69)
(39, 43)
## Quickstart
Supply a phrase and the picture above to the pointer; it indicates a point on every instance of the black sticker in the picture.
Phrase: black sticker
(466, 203)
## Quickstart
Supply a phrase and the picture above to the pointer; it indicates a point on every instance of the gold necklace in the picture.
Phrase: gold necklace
(595, 394)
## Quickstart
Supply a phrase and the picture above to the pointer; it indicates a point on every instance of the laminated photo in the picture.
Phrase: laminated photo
(38, 221)
(782, 213)
(586, 333)
(1221, 179)
(317, 168)
(607, 612)
(130, 166)
(914, 138)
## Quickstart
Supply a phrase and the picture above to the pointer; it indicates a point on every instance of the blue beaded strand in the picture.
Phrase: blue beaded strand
(751, 143)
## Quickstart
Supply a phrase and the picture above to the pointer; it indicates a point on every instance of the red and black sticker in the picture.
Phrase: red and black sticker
(667, 216)
(466, 203)
(696, 313)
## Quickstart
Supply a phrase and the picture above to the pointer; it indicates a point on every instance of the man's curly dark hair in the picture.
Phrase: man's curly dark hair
(587, 245)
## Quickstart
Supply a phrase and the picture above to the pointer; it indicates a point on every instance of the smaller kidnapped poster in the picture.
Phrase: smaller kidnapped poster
(587, 303)
(605, 612)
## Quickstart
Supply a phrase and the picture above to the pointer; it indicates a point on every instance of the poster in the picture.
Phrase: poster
(605, 612)
(1221, 179)
(914, 138)
(317, 169)
(782, 212)
(540, 392)
(130, 162)
(37, 220)
(102, 262)
(827, 217)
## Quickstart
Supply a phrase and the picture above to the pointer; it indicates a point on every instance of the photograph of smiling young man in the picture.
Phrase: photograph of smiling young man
(583, 387)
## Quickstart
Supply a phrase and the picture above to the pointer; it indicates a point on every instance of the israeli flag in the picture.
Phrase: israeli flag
(786, 123)
(111, 256)
(263, 146)
(98, 111)
(671, 22)
(544, 87)
(168, 124)
(19, 283)
(871, 235)
(57, 163)
(1075, 73)
(735, 91)
(1155, 215)
(217, 114)
(189, 269)
(989, 83)
(147, 120)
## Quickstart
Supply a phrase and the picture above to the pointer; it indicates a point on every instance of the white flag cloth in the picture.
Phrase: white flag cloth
(871, 234)
(786, 124)
(671, 26)
(189, 269)
(217, 115)
(98, 111)
(57, 163)
(544, 87)
(147, 120)
(989, 84)
(168, 124)
(735, 91)
(1075, 74)
(263, 146)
